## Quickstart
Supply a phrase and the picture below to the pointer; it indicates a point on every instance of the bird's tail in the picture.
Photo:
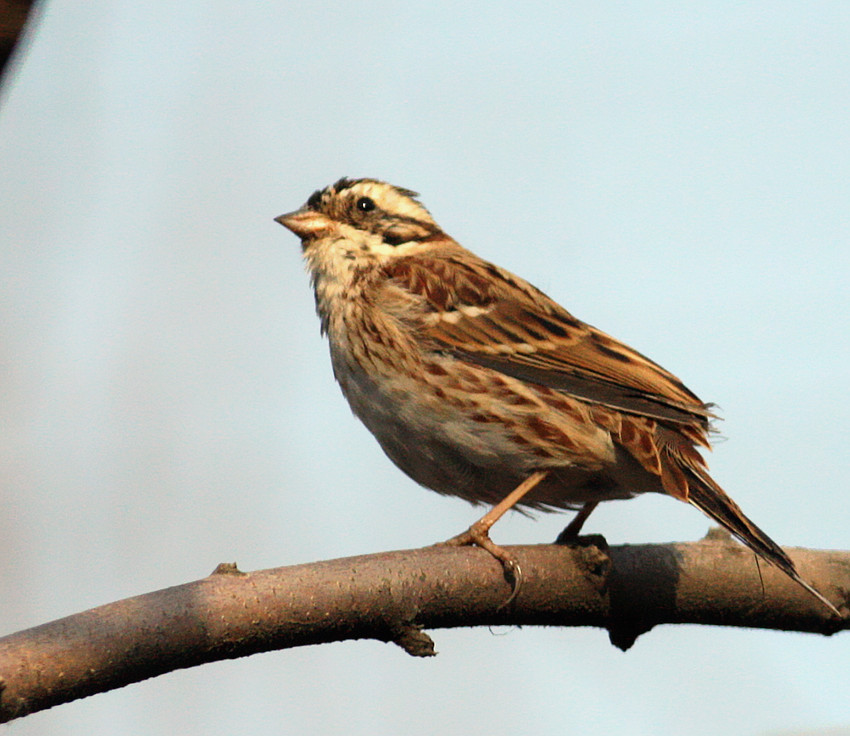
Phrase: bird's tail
(712, 500)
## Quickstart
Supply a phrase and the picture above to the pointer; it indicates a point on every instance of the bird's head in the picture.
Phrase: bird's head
(352, 228)
(363, 218)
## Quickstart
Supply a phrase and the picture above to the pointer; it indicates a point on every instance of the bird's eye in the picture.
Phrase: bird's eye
(365, 204)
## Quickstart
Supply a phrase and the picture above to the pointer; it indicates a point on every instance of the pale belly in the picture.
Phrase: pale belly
(438, 445)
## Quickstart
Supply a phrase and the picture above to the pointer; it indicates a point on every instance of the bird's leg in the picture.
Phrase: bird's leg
(572, 529)
(479, 533)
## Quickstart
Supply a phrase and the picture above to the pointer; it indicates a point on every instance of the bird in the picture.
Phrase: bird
(478, 385)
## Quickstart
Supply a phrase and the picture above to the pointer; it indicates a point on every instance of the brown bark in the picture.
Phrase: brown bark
(392, 596)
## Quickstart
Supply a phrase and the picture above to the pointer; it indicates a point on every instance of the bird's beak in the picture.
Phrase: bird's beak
(305, 223)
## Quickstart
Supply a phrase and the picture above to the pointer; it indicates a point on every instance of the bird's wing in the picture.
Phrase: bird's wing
(486, 315)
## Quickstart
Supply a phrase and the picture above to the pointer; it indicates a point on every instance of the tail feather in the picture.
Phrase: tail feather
(712, 500)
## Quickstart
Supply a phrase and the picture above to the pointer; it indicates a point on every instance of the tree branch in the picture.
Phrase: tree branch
(391, 596)
(13, 17)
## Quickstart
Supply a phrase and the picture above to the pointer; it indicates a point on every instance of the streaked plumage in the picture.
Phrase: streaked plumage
(473, 380)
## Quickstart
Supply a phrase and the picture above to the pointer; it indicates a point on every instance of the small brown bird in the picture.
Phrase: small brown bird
(478, 385)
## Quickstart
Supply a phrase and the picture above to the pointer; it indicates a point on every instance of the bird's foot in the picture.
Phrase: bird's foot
(478, 535)
(571, 531)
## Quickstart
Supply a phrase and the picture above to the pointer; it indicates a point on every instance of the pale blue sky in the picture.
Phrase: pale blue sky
(676, 174)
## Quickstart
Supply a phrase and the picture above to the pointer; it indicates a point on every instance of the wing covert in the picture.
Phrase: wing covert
(485, 315)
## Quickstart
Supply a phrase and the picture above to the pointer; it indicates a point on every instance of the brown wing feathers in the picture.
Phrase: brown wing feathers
(521, 332)
(526, 335)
